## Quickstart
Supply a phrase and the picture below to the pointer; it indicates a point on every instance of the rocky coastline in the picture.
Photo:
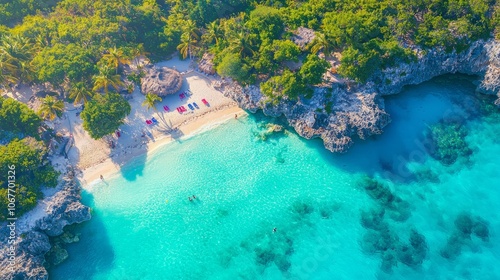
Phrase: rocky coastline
(31, 247)
(339, 112)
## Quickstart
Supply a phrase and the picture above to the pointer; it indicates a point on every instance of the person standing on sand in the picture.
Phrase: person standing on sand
(235, 116)
(102, 177)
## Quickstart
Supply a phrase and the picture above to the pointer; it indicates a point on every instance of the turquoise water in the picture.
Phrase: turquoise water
(330, 225)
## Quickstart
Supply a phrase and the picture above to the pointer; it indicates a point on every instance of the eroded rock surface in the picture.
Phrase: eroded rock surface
(64, 208)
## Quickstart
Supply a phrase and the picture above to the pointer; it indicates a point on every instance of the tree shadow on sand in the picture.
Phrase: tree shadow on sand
(132, 168)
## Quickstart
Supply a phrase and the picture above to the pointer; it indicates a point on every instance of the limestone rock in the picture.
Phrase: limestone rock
(64, 208)
(206, 64)
(303, 36)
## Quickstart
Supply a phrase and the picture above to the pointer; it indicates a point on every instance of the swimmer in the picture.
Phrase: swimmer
(194, 197)
(190, 199)
(275, 229)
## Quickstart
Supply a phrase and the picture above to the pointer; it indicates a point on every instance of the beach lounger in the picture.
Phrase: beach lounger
(204, 101)
(182, 95)
(166, 108)
(191, 107)
(183, 109)
(154, 120)
(196, 105)
(148, 122)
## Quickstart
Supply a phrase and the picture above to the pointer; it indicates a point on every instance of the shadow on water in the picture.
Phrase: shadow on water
(128, 170)
(93, 250)
(449, 97)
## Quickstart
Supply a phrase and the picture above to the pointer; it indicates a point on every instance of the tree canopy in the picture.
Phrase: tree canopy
(32, 173)
(16, 117)
(69, 41)
(104, 114)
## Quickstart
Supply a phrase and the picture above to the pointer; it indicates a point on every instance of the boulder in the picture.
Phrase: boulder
(206, 64)
(303, 36)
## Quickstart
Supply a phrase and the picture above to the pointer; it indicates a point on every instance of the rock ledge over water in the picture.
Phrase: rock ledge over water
(64, 208)
(339, 111)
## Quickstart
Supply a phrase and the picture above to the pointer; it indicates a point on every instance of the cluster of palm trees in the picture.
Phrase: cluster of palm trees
(190, 39)
(107, 78)
(16, 54)
(240, 42)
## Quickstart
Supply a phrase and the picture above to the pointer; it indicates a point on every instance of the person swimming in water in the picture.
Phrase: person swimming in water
(190, 199)
(275, 229)
(194, 197)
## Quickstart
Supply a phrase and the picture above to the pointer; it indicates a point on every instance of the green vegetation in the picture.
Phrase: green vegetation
(51, 108)
(28, 155)
(17, 118)
(70, 42)
(32, 172)
(151, 100)
(104, 114)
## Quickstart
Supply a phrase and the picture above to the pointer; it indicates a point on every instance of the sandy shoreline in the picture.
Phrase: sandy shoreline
(190, 128)
(106, 156)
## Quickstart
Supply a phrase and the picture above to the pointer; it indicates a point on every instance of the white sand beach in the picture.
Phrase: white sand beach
(96, 157)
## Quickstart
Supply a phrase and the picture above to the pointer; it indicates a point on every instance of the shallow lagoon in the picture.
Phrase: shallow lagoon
(419, 218)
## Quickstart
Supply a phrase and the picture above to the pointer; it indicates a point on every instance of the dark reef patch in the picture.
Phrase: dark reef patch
(378, 191)
(448, 144)
(466, 227)
(380, 237)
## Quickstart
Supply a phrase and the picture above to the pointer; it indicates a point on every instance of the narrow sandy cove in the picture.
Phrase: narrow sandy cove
(96, 157)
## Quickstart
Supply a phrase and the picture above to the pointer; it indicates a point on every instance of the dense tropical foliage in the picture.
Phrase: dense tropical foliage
(71, 42)
(21, 126)
(104, 114)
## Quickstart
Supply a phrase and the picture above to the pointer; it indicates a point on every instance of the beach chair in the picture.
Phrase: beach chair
(191, 107)
(182, 95)
(154, 120)
(196, 105)
(183, 109)
(205, 102)
(148, 122)
(166, 108)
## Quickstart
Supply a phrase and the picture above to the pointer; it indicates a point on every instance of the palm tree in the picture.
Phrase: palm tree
(16, 47)
(116, 58)
(191, 29)
(242, 44)
(189, 39)
(151, 100)
(186, 46)
(320, 43)
(105, 79)
(214, 32)
(51, 107)
(80, 93)
(7, 71)
(17, 53)
(137, 52)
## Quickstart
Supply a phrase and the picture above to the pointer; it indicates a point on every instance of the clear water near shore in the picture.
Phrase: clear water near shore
(144, 226)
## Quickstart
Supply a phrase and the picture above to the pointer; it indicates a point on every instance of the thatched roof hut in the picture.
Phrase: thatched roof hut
(161, 81)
